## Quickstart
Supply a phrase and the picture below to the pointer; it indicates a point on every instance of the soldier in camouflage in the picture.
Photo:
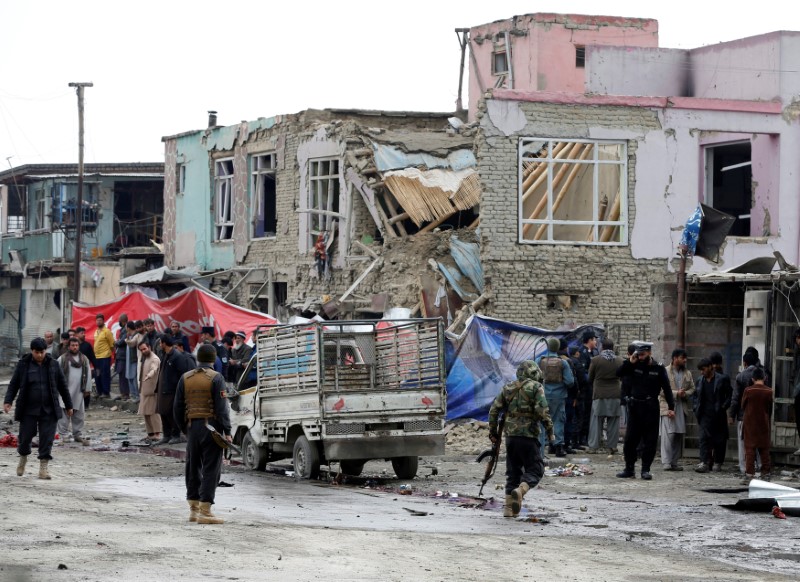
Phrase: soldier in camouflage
(525, 407)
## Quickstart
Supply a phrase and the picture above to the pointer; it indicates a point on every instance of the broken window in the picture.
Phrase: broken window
(41, 210)
(580, 57)
(323, 197)
(264, 203)
(500, 62)
(223, 199)
(573, 191)
(15, 221)
(729, 179)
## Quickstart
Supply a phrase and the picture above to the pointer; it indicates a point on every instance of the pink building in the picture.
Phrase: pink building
(545, 52)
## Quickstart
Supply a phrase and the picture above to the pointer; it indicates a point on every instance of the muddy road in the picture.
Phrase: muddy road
(114, 512)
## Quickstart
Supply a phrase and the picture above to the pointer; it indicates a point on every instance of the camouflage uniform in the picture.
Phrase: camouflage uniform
(525, 407)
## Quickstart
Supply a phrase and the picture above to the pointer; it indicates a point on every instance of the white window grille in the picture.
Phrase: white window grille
(573, 191)
(223, 199)
(323, 196)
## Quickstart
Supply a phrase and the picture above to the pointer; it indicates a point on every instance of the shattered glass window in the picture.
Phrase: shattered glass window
(323, 193)
(223, 199)
(263, 196)
(573, 191)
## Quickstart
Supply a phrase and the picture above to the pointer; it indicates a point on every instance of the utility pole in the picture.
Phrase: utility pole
(463, 41)
(76, 289)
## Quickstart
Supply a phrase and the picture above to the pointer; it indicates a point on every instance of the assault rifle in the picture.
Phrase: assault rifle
(493, 454)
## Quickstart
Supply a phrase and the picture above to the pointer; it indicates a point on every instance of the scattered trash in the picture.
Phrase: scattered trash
(289, 473)
(534, 519)
(416, 512)
(776, 511)
(569, 470)
(62, 567)
(224, 484)
(405, 490)
(584, 508)
(581, 461)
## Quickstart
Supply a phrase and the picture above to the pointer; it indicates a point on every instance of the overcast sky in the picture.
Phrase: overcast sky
(157, 67)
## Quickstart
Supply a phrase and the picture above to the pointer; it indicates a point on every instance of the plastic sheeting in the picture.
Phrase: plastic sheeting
(468, 258)
(388, 157)
(485, 358)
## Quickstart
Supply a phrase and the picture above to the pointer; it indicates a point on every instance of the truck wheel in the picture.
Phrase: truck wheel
(352, 467)
(405, 467)
(305, 458)
(254, 456)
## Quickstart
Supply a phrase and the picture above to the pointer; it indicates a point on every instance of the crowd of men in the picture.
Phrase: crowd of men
(178, 392)
(579, 393)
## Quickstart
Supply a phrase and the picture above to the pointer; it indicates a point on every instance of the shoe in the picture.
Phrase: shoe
(507, 511)
(135, 400)
(194, 507)
(569, 450)
(701, 468)
(747, 479)
(23, 460)
(612, 451)
(164, 440)
(82, 440)
(43, 473)
(173, 441)
(626, 474)
(516, 497)
(204, 514)
(675, 468)
(551, 450)
(717, 468)
(647, 476)
(560, 451)
(590, 451)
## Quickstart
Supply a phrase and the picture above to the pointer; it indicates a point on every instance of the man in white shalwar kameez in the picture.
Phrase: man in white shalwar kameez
(79, 383)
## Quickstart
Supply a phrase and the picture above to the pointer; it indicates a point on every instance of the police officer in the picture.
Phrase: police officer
(648, 379)
(200, 402)
(525, 406)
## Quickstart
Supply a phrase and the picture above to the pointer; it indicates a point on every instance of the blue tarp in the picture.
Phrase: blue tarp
(485, 358)
(468, 258)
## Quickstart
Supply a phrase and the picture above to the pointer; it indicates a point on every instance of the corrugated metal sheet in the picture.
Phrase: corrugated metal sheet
(454, 277)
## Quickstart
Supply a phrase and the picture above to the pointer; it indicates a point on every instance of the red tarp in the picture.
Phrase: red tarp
(192, 308)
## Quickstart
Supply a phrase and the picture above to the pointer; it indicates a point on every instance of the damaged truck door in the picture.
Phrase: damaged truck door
(346, 391)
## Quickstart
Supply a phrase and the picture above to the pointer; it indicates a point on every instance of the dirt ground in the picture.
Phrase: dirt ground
(118, 512)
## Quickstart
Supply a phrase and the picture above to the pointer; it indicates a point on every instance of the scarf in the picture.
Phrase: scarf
(74, 359)
(608, 355)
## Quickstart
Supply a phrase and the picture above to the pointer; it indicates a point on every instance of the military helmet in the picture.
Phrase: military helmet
(553, 344)
(529, 370)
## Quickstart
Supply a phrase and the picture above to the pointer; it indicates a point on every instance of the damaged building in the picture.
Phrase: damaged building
(341, 213)
(121, 220)
(586, 193)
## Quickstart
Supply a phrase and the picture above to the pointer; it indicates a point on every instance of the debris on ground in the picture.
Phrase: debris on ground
(569, 470)
(9, 440)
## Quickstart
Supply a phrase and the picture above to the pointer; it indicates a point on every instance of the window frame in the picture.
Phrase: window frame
(223, 188)
(580, 56)
(709, 165)
(596, 224)
(496, 53)
(328, 221)
(257, 179)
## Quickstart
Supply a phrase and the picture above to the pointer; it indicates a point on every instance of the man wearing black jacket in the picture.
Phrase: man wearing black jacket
(174, 364)
(648, 379)
(712, 398)
(36, 385)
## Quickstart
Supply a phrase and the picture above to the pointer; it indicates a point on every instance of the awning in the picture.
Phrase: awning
(159, 275)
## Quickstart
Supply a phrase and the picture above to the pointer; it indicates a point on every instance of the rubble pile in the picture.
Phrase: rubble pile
(467, 437)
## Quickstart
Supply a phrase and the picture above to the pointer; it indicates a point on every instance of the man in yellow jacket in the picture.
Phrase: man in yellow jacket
(103, 347)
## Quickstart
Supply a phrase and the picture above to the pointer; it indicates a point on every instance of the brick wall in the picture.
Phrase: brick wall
(553, 285)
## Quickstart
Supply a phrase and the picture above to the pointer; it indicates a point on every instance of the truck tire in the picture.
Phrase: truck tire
(305, 458)
(405, 467)
(352, 467)
(254, 456)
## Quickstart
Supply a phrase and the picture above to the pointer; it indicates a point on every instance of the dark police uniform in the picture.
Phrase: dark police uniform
(200, 400)
(647, 379)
